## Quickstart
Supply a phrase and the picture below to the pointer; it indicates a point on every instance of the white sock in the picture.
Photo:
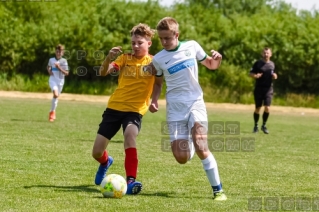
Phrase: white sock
(54, 104)
(211, 169)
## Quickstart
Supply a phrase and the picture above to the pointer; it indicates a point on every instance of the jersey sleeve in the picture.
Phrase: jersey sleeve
(254, 69)
(273, 70)
(118, 63)
(159, 71)
(200, 53)
(64, 65)
(49, 63)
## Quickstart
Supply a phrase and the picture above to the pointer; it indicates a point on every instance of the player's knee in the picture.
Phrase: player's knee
(267, 108)
(257, 110)
(181, 157)
(181, 160)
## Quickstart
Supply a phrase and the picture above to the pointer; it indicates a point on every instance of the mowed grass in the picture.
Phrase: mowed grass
(48, 166)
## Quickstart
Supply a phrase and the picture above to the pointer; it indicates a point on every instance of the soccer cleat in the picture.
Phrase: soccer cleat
(134, 187)
(220, 196)
(264, 129)
(101, 172)
(255, 130)
(51, 116)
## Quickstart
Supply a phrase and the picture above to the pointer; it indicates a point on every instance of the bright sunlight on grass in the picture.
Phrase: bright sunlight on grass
(48, 166)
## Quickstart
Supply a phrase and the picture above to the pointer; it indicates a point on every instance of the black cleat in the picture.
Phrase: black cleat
(255, 130)
(264, 129)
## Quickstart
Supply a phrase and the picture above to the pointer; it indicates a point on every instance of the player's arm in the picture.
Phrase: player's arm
(58, 66)
(106, 67)
(49, 69)
(254, 72)
(255, 75)
(212, 62)
(157, 89)
(274, 75)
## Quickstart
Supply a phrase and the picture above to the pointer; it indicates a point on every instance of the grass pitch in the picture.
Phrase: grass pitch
(48, 166)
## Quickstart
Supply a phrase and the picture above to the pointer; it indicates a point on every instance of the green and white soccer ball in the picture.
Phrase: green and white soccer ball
(113, 186)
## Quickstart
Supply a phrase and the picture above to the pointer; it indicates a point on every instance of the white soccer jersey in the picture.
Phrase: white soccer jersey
(180, 70)
(58, 75)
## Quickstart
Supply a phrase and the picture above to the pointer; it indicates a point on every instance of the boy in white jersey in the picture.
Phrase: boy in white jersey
(57, 69)
(186, 111)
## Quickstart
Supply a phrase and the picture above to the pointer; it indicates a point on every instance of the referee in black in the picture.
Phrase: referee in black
(264, 72)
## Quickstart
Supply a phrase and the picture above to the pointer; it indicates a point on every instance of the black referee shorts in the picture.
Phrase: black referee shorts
(263, 96)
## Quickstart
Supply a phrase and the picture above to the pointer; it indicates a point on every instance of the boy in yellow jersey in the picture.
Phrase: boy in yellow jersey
(127, 104)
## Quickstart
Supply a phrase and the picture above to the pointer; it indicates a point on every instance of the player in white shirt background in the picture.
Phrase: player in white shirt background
(57, 69)
(186, 113)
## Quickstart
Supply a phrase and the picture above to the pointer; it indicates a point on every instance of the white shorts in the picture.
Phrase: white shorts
(56, 84)
(181, 117)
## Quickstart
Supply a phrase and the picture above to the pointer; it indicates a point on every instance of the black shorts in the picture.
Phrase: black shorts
(263, 96)
(114, 119)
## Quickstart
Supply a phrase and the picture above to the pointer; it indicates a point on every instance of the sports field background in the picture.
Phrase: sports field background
(48, 166)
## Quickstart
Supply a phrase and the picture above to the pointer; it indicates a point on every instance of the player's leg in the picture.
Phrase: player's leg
(258, 104)
(191, 147)
(267, 103)
(181, 150)
(131, 127)
(54, 102)
(180, 145)
(199, 129)
(177, 118)
(107, 129)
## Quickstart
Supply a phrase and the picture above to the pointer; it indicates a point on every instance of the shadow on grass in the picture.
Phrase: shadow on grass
(175, 195)
(116, 141)
(28, 120)
(91, 189)
(85, 188)
(160, 194)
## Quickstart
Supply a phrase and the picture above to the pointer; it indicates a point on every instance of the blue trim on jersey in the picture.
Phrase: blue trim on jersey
(180, 66)
(54, 69)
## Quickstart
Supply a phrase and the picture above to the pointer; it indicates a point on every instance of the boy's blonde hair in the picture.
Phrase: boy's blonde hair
(59, 47)
(168, 23)
(143, 30)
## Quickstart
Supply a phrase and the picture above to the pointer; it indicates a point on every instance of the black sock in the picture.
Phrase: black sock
(256, 119)
(265, 118)
(130, 179)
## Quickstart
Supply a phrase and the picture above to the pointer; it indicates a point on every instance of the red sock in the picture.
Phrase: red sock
(103, 160)
(131, 162)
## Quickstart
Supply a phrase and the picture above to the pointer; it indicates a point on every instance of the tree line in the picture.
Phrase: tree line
(239, 30)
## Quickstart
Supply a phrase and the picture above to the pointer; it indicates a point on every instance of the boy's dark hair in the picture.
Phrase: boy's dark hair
(267, 48)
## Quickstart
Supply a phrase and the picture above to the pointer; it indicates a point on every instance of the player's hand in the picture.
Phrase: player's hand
(216, 55)
(153, 107)
(257, 76)
(57, 64)
(115, 52)
(274, 75)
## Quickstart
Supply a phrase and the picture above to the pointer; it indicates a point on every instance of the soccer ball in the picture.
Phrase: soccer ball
(113, 186)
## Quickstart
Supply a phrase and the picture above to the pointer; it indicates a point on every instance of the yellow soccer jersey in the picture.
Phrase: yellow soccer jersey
(135, 85)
